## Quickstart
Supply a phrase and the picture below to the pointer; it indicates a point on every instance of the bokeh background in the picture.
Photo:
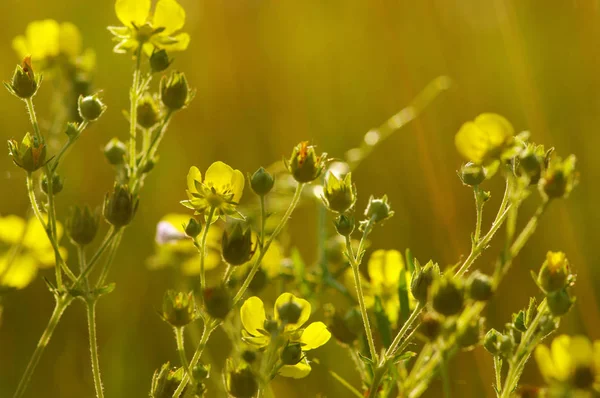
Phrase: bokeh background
(271, 73)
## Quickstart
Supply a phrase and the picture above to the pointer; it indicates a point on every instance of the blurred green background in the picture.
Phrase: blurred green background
(272, 73)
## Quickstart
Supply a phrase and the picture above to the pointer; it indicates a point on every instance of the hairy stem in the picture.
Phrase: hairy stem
(91, 319)
(179, 338)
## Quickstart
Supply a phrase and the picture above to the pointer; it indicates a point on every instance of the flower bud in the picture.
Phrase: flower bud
(447, 296)
(165, 381)
(291, 354)
(289, 312)
(378, 209)
(345, 329)
(115, 152)
(304, 164)
(491, 341)
(431, 325)
(249, 356)
(472, 174)
(470, 334)
(24, 83)
(559, 302)
(147, 112)
(339, 195)
(201, 371)
(217, 301)
(82, 225)
(72, 131)
(57, 184)
(242, 383)
(159, 61)
(179, 308)
(236, 244)
(174, 91)
(258, 283)
(271, 326)
(120, 206)
(532, 161)
(560, 178)
(344, 224)
(193, 228)
(554, 274)
(422, 279)
(479, 287)
(30, 154)
(262, 182)
(90, 107)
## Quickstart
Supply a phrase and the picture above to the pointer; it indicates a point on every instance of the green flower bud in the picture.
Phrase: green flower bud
(82, 225)
(378, 209)
(472, 174)
(148, 165)
(57, 184)
(470, 334)
(344, 224)
(258, 283)
(531, 163)
(262, 182)
(193, 228)
(506, 345)
(120, 206)
(242, 383)
(447, 296)
(479, 287)
(304, 164)
(159, 61)
(491, 341)
(90, 107)
(554, 274)
(421, 280)
(559, 302)
(431, 325)
(72, 131)
(148, 113)
(24, 83)
(289, 312)
(339, 195)
(271, 326)
(179, 308)
(345, 329)
(559, 178)
(201, 371)
(115, 152)
(249, 356)
(165, 381)
(217, 301)
(174, 91)
(30, 154)
(291, 354)
(236, 244)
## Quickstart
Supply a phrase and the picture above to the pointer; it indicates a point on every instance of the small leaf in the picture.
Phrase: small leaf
(383, 323)
(410, 261)
(105, 289)
(406, 355)
(403, 297)
(531, 311)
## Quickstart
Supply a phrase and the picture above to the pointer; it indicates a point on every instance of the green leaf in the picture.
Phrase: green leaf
(410, 261)
(406, 355)
(383, 323)
(403, 297)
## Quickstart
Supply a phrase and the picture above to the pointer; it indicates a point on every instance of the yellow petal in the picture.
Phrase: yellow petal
(181, 42)
(497, 128)
(237, 185)
(304, 305)
(581, 351)
(21, 272)
(544, 361)
(561, 357)
(169, 15)
(597, 356)
(258, 341)
(193, 176)
(272, 259)
(43, 37)
(253, 316)
(391, 308)
(297, 371)
(11, 229)
(20, 45)
(69, 39)
(35, 237)
(471, 142)
(384, 268)
(132, 12)
(315, 335)
(219, 176)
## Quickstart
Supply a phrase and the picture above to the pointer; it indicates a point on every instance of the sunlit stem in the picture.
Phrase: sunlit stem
(91, 318)
(202, 248)
(179, 337)
(133, 98)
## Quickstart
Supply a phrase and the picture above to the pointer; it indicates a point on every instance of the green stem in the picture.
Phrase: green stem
(110, 259)
(112, 233)
(33, 117)
(82, 263)
(67, 145)
(391, 351)
(181, 351)
(202, 248)
(91, 318)
(479, 208)
(62, 303)
(134, 97)
(498, 372)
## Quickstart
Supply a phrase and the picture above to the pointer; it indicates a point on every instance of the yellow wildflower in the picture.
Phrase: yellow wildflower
(571, 364)
(290, 314)
(485, 139)
(158, 31)
(221, 189)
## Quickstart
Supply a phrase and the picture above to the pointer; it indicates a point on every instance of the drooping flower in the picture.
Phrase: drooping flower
(571, 364)
(151, 31)
(221, 189)
(289, 315)
(489, 137)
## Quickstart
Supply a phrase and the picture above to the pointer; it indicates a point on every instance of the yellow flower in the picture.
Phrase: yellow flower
(571, 362)
(47, 41)
(28, 249)
(158, 31)
(387, 272)
(174, 248)
(484, 139)
(221, 189)
(290, 313)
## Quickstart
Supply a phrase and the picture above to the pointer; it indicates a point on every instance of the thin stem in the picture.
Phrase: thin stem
(134, 96)
(33, 117)
(498, 372)
(479, 208)
(67, 145)
(61, 305)
(227, 274)
(110, 259)
(181, 351)
(82, 263)
(112, 233)
(391, 351)
(202, 248)
(361, 298)
(91, 318)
